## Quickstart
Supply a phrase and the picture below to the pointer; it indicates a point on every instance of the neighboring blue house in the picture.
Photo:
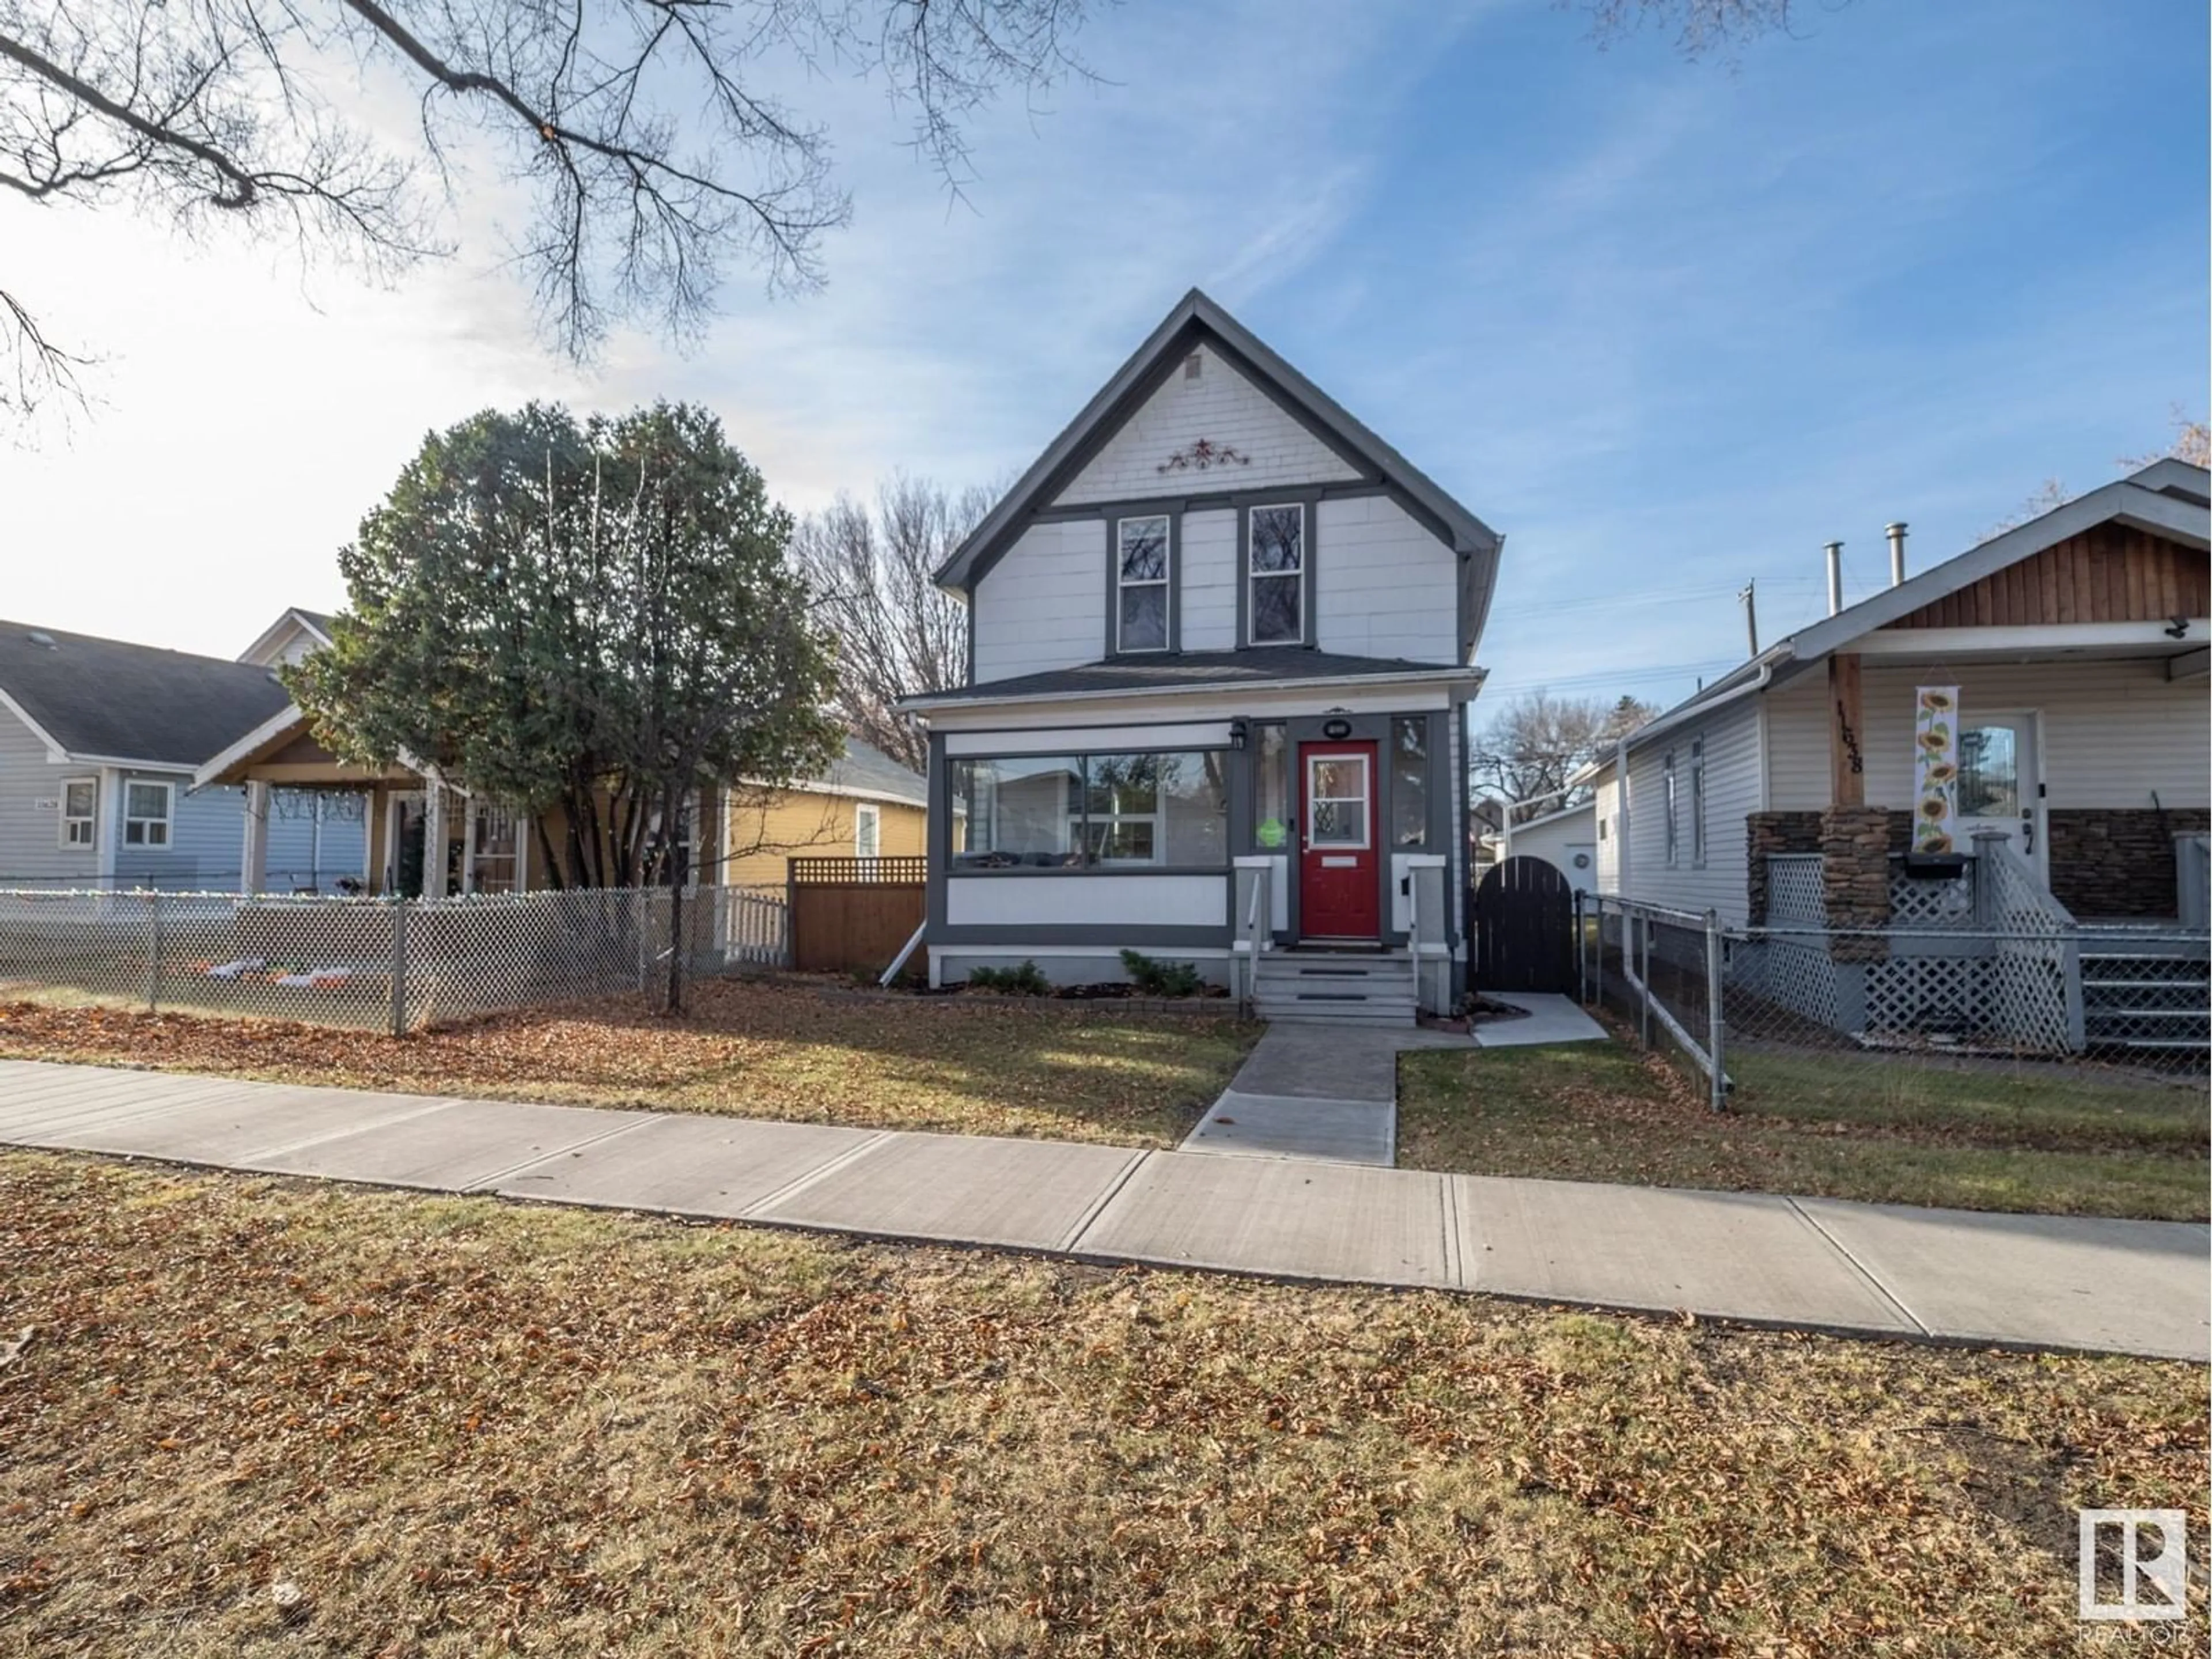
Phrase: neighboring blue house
(99, 739)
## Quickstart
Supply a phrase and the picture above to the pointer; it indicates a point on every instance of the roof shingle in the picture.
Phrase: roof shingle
(137, 702)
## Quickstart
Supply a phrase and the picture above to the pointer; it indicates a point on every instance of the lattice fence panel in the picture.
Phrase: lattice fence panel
(1929, 904)
(1797, 976)
(1921, 995)
(1794, 895)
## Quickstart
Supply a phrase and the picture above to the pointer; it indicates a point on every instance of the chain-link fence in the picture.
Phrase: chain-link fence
(395, 964)
(2090, 1004)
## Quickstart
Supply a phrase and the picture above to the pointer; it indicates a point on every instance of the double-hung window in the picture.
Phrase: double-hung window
(1673, 814)
(867, 831)
(1141, 583)
(1698, 803)
(79, 812)
(146, 811)
(1276, 572)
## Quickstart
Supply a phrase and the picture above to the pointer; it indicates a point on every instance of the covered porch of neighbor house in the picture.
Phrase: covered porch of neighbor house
(424, 839)
(2088, 758)
(2066, 908)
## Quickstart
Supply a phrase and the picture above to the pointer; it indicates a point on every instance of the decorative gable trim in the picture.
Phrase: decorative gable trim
(1202, 456)
(1198, 320)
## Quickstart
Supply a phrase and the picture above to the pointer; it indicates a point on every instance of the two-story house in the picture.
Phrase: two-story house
(1221, 643)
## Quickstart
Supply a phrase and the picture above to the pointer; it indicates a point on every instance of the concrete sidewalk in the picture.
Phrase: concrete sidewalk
(2032, 1282)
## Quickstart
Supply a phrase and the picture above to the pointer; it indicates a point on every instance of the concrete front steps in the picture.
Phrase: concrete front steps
(1371, 987)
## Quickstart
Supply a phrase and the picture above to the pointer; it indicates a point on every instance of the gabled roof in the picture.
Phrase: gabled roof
(1197, 319)
(107, 701)
(2157, 499)
(1269, 666)
(2167, 498)
(318, 625)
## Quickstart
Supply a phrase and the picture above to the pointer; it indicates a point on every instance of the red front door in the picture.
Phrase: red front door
(1340, 895)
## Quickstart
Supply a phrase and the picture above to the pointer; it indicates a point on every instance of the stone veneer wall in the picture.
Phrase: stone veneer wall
(1803, 832)
(1855, 876)
(2118, 861)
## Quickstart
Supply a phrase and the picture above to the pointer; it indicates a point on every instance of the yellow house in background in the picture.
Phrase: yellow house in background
(864, 806)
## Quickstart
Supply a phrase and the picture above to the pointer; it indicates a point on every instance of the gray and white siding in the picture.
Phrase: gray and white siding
(206, 833)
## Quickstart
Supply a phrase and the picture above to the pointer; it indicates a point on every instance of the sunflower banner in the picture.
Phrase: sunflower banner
(1935, 770)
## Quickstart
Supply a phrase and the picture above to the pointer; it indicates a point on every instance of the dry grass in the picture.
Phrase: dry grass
(1892, 1132)
(748, 1048)
(458, 1428)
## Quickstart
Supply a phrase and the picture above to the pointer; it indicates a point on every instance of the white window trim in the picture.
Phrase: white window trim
(873, 816)
(167, 820)
(91, 820)
(1164, 582)
(1366, 799)
(1251, 576)
(1156, 818)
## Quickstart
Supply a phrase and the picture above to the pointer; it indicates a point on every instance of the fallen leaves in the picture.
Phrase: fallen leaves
(749, 1048)
(1611, 1112)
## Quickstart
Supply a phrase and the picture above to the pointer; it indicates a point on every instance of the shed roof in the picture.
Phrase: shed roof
(1192, 671)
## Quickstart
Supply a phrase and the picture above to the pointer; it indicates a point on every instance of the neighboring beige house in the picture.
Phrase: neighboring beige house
(2077, 643)
(2068, 660)
(864, 806)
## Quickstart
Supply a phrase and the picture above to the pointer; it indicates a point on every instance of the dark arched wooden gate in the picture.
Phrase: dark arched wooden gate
(1524, 928)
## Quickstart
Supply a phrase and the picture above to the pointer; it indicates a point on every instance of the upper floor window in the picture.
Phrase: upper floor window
(1141, 584)
(146, 808)
(1674, 813)
(79, 812)
(1276, 570)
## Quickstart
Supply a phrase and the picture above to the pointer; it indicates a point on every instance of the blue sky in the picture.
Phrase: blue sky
(1669, 326)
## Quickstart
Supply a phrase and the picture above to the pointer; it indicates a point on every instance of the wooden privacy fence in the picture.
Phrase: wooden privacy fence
(849, 915)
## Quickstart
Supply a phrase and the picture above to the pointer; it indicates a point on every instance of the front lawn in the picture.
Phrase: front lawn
(1836, 1126)
(748, 1048)
(366, 1422)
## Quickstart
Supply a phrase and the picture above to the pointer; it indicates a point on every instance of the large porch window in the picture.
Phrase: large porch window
(1084, 812)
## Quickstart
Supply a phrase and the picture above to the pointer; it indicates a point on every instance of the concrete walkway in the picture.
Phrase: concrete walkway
(1551, 1017)
(2033, 1282)
(1315, 1090)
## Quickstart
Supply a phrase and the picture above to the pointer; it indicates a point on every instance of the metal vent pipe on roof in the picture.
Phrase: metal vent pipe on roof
(1896, 534)
(1835, 577)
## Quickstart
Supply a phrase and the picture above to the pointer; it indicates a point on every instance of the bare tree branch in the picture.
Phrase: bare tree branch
(1702, 28)
(898, 635)
(1527, 753)
(650, 153)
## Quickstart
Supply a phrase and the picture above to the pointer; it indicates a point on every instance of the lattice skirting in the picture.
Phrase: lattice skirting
(1799, 977)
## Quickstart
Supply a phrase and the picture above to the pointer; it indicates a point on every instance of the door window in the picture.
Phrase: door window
(1336, 800)
(1989, 772)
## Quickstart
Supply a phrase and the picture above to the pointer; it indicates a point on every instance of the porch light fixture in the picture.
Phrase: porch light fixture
(2178, 628)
